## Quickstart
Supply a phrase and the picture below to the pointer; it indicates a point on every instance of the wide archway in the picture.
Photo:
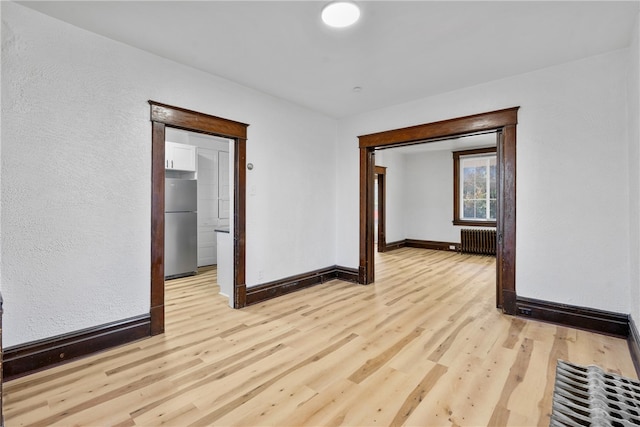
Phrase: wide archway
(503, 122)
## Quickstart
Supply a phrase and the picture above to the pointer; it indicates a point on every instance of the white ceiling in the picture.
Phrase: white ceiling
(397, 52)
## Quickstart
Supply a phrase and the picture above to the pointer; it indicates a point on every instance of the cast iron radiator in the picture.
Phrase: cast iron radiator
(475, 241)
(588, 396)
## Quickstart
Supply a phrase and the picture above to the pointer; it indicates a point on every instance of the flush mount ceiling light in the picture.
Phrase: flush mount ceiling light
(340, 14)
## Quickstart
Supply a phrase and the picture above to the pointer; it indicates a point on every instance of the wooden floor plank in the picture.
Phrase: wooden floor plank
(422, 346)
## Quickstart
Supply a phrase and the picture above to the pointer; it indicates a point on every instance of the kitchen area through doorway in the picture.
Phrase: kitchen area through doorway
(198, 200)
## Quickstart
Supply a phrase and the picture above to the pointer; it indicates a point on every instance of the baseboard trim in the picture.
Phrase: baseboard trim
(287, 285)
(35, 356)
(395, 245)
(633, 341)
(430, 244)
(347, 274)
(590, 319)
(423, 244)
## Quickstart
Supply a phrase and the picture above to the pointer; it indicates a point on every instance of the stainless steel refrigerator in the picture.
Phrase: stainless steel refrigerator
(180, 227)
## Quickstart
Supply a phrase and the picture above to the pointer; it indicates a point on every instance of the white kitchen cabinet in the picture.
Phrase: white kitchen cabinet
(179, 156)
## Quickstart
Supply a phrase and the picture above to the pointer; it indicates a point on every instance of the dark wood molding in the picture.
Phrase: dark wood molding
(287, 285)
(157, 227)
(381, 174)
(590, 319)
(380, 170)
(456, 187)
(239, 222)
(633, 341)
(431, 244)
(27, 358)
(423, 244)
(347, 274)
(504, 123)
(366, 268)
(395, 245)
(162, 116)
(446, 128)
(192, 120)
(506, 226)
(467, 223)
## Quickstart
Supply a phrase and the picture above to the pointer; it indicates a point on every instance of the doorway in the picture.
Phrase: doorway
(211, 174)
(166, 116)
(503, 122)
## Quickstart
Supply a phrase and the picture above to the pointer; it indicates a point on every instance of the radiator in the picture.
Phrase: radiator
(589, 396)
(474, 241)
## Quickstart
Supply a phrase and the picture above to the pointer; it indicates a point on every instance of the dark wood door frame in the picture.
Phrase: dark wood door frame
(504, 122)
(381, 172)
(163, 116)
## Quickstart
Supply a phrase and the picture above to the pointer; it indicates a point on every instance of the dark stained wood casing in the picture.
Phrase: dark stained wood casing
(163, 115)
(381, 174)
(633, 341)
(198, 122)
(501, 121)
(456, 188)
(443, 129)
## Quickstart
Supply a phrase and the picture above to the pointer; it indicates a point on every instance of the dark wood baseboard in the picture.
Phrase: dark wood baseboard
(347, 274)
(27, 358)
(422, 244)
(287, 285)
(395, 245)
(590, 319)
(430, 244)
(633, 340)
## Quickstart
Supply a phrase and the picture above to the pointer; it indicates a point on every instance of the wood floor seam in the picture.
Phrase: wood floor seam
(422, 346)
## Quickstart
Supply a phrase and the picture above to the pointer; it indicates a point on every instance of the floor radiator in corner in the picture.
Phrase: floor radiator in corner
(475, 241)
(589, 396)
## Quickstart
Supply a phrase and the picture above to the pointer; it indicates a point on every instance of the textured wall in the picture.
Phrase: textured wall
(572, 175)
(75, 175)
(634, 170)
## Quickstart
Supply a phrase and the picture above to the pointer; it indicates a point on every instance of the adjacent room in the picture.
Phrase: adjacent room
(244, 213)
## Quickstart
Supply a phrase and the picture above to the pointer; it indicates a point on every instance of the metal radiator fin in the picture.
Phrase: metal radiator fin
(475, 241)
(588, 396)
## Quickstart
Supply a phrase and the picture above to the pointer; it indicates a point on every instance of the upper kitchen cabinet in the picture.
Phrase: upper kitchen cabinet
(180, 157)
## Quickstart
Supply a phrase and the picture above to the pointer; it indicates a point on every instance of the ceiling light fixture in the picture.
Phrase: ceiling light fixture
(340, 14)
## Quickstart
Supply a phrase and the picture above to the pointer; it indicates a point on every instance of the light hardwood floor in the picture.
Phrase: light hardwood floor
(423, 346)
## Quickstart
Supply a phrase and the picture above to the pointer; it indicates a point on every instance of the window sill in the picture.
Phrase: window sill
(475, 223)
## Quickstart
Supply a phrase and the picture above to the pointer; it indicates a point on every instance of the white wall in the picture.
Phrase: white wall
(429, 201)
(1, 237)
(419, 195)
(76, 167)
(634, 170)
(395, 194)
(572, 175)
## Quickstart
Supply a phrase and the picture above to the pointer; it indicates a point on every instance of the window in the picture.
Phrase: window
(475, 187)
